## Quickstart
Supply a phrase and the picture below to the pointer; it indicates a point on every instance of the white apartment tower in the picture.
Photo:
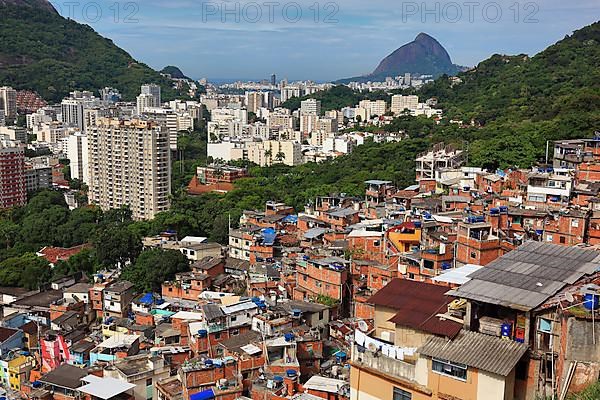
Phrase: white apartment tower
(153, 90)
(8, 101)
(145, 101)
(72, 108)
(401, 103)
(129, 164)
(310, 106)
(78, 155)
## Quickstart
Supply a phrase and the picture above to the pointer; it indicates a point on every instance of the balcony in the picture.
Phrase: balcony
(383, 364)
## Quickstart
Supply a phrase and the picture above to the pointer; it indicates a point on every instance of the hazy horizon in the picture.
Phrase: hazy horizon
(343, 40)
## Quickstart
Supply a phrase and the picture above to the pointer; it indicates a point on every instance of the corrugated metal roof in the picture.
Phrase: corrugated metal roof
(526, 277)
(476, 350)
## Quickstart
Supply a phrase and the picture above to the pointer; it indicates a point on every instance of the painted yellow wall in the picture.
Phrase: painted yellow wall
(366, 386)
(442, 384)
(382, 315)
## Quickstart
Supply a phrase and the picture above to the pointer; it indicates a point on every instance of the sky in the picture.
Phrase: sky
(251, 40)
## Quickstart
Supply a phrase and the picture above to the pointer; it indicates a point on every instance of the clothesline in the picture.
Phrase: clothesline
(387, 350)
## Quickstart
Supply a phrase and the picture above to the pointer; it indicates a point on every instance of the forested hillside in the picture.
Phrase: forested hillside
(44, 52)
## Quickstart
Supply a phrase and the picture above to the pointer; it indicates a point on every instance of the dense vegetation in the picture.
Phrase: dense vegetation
(520, 102)
(114, 237)
(53, 55)
(336, 98)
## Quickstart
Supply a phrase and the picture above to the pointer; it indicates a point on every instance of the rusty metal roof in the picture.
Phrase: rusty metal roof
(417, 305)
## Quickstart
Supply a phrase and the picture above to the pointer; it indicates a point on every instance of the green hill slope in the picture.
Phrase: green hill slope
(522, 101)
(42, 51)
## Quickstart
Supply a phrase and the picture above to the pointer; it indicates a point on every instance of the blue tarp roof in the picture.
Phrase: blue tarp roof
(148, 298)
(269, 236)
(204, 395)
(291, 219)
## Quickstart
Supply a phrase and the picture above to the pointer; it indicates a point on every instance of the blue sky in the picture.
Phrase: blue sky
(347, 38)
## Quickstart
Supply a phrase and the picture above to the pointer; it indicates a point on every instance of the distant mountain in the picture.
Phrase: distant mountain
(52, 55)
(424, 55)
(175, 72)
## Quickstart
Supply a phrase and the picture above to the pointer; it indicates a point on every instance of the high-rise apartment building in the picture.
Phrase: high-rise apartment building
(168, 119)
(145, 101)
(12, 174)
(254, 101)
(401, 103)
(310, 106)
(377, 107)
(153, 90)
(72, 108)
(78, 155)
(8, 101)
(129, 164)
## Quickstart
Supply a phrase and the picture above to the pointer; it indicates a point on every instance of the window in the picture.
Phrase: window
(458, 371)
(377, 243)
(320, 315)
(563, 240)
(235, 332)
(217, 335)
(400, 394)
(473, 254)
(549, 238)
(575, 223)
(233, 318)
(149, 382)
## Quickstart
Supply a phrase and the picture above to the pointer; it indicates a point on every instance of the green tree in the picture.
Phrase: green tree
(28, 271)
(153, 267)
(117, 246)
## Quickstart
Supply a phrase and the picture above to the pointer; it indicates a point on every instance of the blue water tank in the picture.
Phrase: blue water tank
(208, 363)
(203, 333)
(494, 211)
(340, 356)
(417, 224)
(291, 373)
(503, 209)
(506, 329)
(591, 301)
(278, 378)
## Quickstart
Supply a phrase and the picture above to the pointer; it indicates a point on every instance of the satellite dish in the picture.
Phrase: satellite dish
(569, 297)
(362, 325)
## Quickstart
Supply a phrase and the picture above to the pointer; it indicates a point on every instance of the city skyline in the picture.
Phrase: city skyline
(193, 36)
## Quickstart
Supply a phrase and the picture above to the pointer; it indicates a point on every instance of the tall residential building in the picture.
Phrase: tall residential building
(273, 80)
(78, 155)
(254, 101)
(129, 164)
(377, 107)
(275, 151)
(12, 174)
(168, 119)
(144, 101)
(310, 106)
(153, 90)
(401, 103)
(73, 106)
(8, 101)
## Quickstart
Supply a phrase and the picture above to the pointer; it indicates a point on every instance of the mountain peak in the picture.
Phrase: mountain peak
(424, 55)
(423, 37)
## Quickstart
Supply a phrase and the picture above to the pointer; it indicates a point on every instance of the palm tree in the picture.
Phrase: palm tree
(280, 156)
